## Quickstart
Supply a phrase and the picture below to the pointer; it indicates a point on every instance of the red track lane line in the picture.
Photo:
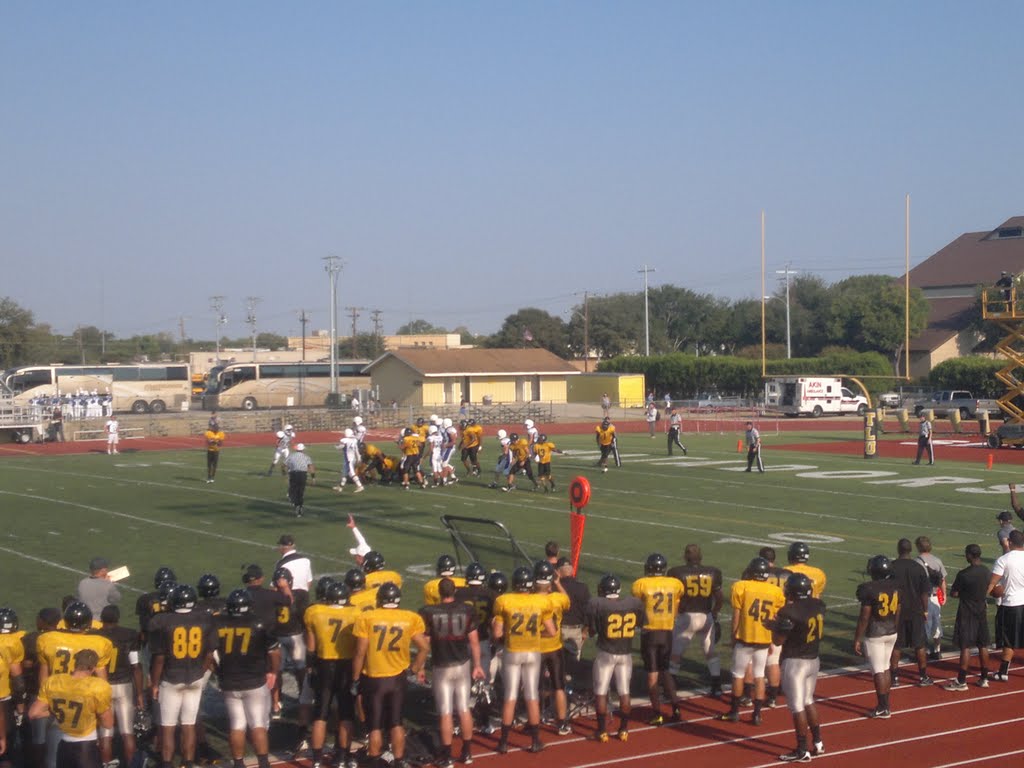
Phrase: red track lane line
(762, 736)
(998, 756)
(908, 740)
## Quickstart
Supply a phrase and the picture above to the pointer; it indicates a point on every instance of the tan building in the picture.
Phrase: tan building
(319, 342)
(425, 377)
(950, 280)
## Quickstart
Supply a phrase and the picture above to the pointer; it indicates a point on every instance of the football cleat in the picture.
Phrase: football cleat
(1000, 677)
(656, 721)
(955, 685)
(622, 735)
(728, 717)
(818, 749)
(564, 729)
(601, 737)
(878, 713)
(983, 682)
(925, 681)
(796, 756)
(755, 719)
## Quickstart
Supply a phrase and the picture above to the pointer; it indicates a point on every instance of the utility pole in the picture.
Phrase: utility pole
(354, 311)
(787, 272)
(586, 332)
(332, 266)
(647, 317)
(217, 305)
(250, 319)
(378, 327)
(304, 320)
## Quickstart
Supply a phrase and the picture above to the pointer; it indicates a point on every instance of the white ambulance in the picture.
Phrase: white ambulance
(811, 396)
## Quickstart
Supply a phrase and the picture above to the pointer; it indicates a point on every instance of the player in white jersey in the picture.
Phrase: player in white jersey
(349, 447)
(281, 452)
(113, 438)
(359, 428)
(451, 440)
(501, 467)
(434, 441)
(532, 433)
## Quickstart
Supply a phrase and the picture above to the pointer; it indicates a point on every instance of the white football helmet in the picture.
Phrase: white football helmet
(502, 434)
(432, 430)
(433, 418)
(280, 434)
(358, 420)
(446, 423)
(349, 433)
(528, 423)
(289, 428)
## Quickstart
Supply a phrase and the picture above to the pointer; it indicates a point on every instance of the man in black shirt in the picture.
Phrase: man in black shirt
(182, 641)
(455, 652)
(613, 620)
(574, 619)
(699, 607)
(271, 606)
(881, 604)
(797, 628)
(970, 630)
(125, 680)
(912, 579)
(250, 659)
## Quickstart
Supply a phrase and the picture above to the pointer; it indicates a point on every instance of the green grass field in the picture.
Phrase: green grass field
(146, 509)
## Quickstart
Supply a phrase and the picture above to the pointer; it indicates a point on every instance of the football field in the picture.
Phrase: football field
(147, 507)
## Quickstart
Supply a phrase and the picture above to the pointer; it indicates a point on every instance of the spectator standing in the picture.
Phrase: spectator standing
(300, 468)
(912, 580)
(574, 621)
(1007, 583)
(606, 405)
(296, 562)
(113, 438)
(970, 629)
(937, 578)
(97, 590)
(1005, 519)
(57, 424)
(924, 439)
(652, 418)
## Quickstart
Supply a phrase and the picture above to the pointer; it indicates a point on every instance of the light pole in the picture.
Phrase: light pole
(786, 273)
(647, 321)
(217, 305)
(333, 268)
(250, 319)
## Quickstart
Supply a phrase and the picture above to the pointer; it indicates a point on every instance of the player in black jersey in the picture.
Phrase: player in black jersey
(250, 659)
(182, 641)
(125, 678)
(455, 654)
(613, 620)
(797, 628)
(210, 600)
(291, 632)
(881, 604)
(148, 605)
(699, 606)
(481, 597)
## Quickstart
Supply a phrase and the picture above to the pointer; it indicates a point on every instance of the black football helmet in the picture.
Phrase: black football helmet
(282, 573)
(606, 422)
(514, 437)
(321, 587)
(77, 616)
(471, 423)
(497, 582)
(208, 586)
(522, 579)
(799, 552)
(337, 594)
(373, 561)
(183, 598)
(880, 567)
(656, 565)
(758, 569)
(355, 580)
(420, 421)
(164, 593)
(475, 574)
(542, 438)
(388, 595)
(543, 571)
(463, 424)
(239, 603)
(446, 565)
(609, 585)
(407, 432)
(163, 573)
(8, 621)
(798, 587)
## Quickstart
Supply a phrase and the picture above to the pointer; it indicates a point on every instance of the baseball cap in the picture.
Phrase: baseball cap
(300, 447)
(1004, 516)
(361, 550)
(252, 573)
(286, 540)
(98, 564)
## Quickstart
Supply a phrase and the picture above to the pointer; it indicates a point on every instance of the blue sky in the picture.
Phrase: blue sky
(469, 159)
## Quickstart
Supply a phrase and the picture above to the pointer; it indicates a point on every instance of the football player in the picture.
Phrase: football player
(358, 594)
(797, 628)
(699, 607)
(613, 620)
(411, 446)
(754, 601)
(182, 641)
(471, 444)
(772, 671)
(798, 555)
(520, 461)
(501, 467)
(281, 450)
(881, 605)
(604, 435)
(455, 654)
(532, 433)
(208, 589)
(481, 598)
(542, 450)
(519, 621)
(384, 638)
(290, 632)
(660, 595)
(451, 439)
(12, 681)
(249, 660)
(552, 657)
(148, 604)
(434, 442)
(57, 649)
(350, 457)
(359, 429)
(375, 568)
(125, 678)
(446, 567)
(331, 642)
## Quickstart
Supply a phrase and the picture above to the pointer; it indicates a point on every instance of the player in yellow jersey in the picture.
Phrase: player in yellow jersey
(542, 451)
(214, 440)
(470, 444)
(330, 639)
(552, 657)
(12, 653)
(660, 595)
(754, 602)
(411, 446)
(519, 620)
(373, 462)
(798, 555)
(445, 570)
(56, 650)
(359, 596)
(384, 639)
(5, 683)
(604, 434)
(376, 574)
(79, 703)
(521, 460)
